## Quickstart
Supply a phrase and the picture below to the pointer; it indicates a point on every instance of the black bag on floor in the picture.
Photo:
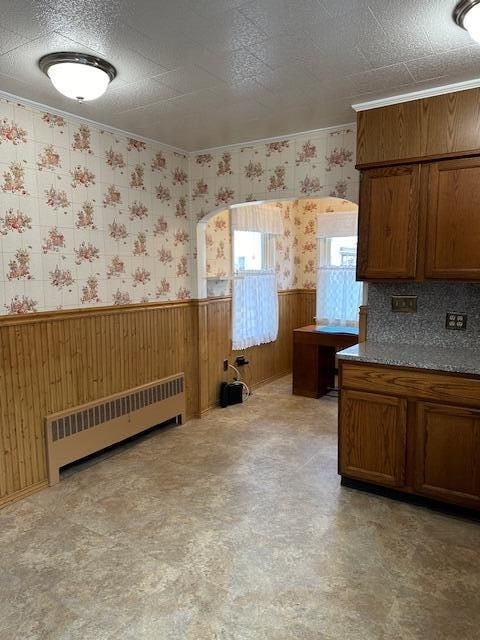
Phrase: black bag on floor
(231, 393)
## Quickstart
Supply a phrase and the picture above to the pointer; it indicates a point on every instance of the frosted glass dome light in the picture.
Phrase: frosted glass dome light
(78, 76)
(467, 15)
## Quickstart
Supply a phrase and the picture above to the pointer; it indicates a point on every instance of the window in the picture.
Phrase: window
(254, 292)
(248, 251)
(340, 252)
(339, 295)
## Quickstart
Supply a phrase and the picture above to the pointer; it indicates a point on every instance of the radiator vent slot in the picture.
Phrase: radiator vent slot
(80, 431)
(106, 411)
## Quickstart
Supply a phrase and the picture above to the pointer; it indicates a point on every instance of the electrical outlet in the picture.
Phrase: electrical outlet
(456, 321)
(404, 304)
(225, 365)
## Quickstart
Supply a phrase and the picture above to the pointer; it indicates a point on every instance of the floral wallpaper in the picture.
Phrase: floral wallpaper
(92, 218)
(308, 165)
(88, 217)
(304, 168)
(219, 254)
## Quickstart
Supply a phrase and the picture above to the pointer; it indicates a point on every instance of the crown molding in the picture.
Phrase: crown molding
(73, 116)
(418, 95)
(288, 136)
(238, 145)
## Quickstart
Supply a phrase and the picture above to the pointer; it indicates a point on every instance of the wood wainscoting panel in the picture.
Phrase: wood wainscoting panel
(267, 361)
(306, 307)
(51, 364)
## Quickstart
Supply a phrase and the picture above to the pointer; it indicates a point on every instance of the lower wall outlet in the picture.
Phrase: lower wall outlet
(456, 321)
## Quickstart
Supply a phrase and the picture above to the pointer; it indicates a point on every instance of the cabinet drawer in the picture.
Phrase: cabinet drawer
(411, 383)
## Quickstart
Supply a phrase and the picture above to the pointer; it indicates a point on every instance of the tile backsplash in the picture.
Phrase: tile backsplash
(427, 325)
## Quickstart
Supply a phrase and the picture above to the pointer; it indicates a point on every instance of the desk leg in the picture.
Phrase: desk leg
(326, 369)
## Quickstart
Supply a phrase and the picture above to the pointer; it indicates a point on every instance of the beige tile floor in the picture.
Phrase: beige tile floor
(234, 527)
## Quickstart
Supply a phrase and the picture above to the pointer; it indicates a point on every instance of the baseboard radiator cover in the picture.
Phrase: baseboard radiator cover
(86, 429)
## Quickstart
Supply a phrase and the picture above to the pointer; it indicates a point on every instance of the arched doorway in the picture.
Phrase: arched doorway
(296, 250)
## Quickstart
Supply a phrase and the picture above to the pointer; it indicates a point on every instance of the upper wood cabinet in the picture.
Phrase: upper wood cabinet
(447, 453)
(453, 220)
(450, 124)
(426, 129)
(419, 215)
(388, 134)
(388, 223)
(420, 222)
(372, 437)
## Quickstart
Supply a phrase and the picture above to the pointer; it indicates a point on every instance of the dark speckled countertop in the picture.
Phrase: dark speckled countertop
(457, 360)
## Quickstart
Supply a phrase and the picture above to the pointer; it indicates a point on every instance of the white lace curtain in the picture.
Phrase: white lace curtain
(254, 293)
(338, 294)
(254, 309)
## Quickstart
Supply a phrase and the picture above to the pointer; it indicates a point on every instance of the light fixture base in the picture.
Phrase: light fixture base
(50, 59)
(462, 9)
(78, 76)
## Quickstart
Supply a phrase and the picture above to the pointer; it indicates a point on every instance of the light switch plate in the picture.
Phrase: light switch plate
(404, 304)
(456, 321)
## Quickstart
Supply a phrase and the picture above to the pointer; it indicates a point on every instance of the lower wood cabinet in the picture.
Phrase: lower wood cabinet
(414, 438)
(447, 453)
(373, 431)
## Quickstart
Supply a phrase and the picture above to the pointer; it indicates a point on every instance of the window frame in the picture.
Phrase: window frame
(323, 262)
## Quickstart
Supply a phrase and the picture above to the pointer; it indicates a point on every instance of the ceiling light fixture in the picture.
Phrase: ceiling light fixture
(78, 76)
(467, 16)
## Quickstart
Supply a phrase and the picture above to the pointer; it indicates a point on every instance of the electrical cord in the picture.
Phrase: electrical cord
(247, 375)
(246, 390)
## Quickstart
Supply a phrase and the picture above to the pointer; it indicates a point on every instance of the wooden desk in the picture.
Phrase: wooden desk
(314, 350)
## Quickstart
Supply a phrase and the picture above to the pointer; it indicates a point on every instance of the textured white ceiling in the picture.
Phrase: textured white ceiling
(204, 73)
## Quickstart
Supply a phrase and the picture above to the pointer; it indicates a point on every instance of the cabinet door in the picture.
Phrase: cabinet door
(372, 438)
(388, 223)
(453, 220)
(447, 456)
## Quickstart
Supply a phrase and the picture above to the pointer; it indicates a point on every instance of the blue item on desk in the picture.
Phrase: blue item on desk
(334, 329)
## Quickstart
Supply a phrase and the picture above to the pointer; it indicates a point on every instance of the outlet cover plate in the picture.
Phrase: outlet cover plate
(404, 304)
(456, 321)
